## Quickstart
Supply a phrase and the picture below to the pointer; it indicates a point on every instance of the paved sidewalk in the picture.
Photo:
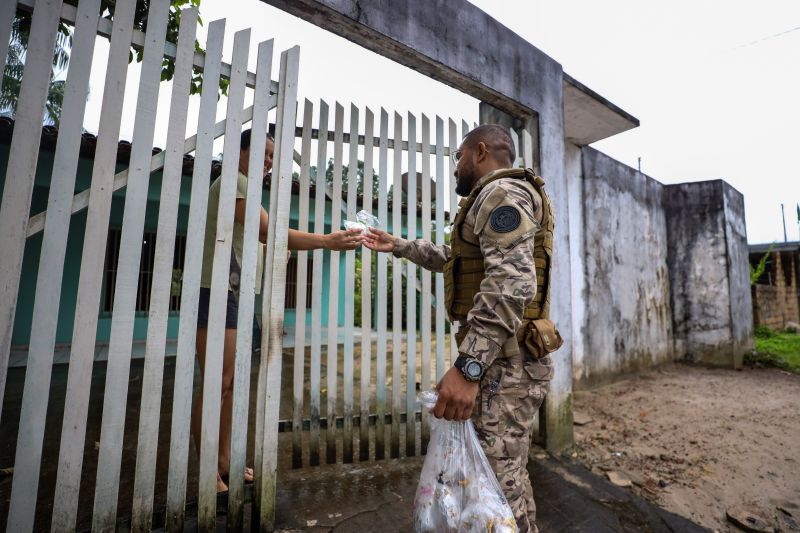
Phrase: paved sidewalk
(377, 497)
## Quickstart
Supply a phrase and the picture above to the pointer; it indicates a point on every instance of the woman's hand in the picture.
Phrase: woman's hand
(344, 240)
(379, 241)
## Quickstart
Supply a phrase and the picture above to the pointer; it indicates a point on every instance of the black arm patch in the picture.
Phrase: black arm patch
(505, 218)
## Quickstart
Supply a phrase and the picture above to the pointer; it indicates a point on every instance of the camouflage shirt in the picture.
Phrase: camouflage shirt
(508, 253)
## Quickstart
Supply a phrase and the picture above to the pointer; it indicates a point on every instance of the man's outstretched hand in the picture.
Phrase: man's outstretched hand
(456, 396)
(379, 241)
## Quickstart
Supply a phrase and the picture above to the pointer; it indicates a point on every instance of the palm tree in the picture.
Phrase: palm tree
(15, 66)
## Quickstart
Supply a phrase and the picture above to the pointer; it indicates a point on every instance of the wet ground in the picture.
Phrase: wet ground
(9, 424)
(361, 497)
(378, 497)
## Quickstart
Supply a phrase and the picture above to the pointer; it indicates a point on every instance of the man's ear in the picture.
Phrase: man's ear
(481, 151)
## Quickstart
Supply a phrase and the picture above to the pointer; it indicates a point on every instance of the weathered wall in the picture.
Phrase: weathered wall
(709, 316)
(738, 274)
(628, 319)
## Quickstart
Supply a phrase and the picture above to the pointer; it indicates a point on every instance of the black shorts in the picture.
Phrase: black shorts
(231, 312)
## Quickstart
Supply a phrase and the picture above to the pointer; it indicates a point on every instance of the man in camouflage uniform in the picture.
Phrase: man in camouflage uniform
(501, 237)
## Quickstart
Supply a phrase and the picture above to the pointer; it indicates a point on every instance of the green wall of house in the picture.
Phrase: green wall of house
(22, 323)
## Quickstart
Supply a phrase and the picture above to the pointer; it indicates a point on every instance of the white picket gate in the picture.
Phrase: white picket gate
(377, 415)
(17, 227)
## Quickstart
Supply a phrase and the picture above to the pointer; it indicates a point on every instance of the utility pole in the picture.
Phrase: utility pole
(783, 219)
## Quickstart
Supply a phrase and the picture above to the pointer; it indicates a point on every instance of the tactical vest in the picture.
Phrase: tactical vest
(464, 272)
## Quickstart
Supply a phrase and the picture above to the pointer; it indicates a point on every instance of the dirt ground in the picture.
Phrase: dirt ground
(698, 441)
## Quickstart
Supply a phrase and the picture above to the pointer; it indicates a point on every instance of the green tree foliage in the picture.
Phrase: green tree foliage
(15, 63)
(757, 271)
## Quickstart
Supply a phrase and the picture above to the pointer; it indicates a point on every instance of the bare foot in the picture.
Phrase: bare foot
(221, 486)
(248, 476)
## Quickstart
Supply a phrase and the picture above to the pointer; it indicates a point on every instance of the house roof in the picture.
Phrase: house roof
(791, 246)
(89, 146)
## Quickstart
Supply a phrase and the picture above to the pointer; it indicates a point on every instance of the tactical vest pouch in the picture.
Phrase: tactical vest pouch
(542, 337)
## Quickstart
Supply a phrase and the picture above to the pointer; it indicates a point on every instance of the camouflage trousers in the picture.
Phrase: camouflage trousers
(510, 395)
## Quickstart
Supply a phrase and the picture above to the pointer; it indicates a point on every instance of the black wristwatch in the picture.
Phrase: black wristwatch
(472, 369)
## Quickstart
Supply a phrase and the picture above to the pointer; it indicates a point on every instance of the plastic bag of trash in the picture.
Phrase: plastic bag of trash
(458, 490)
(365, 220)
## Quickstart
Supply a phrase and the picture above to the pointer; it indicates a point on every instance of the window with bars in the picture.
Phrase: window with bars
(291, 283)
(145, 271)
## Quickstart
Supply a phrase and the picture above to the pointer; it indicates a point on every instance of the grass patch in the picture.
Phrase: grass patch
(778, 349)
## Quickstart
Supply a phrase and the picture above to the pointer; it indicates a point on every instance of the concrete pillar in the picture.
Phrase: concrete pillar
(712, 306)
(557, 422)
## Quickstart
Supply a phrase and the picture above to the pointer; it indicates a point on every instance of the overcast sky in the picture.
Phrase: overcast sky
(715, 84)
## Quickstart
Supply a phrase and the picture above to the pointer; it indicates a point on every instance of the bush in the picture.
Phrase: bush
(763, 332)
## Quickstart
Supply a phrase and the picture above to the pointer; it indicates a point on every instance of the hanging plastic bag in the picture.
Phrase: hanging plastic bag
(458, 490)
(365, 220)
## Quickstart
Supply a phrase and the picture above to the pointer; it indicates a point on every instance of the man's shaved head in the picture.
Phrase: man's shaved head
(484, 149)
(497, 140)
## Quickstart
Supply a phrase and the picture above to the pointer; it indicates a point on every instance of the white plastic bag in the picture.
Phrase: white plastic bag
(458, 490)
(365, 220)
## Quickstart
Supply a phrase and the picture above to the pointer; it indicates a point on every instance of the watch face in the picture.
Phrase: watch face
(473, 369)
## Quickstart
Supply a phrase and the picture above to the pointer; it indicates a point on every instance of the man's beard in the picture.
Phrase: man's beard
(466, 179)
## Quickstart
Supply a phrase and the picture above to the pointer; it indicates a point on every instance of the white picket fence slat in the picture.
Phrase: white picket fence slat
(127, 279)
(454, 143)
(190, 289)
(22, 161)
(277, 246)
(439, 241)
(298, 392)
(161, 288)
(76, 404)
(411, 293)
(333, 291)
(315, 371)
(425, 319)
(366, 293)
(215, 343)
(349, 291)
(397, 289)
(381, 300)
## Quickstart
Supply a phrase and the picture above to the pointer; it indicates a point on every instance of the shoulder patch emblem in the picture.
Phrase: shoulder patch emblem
(505, 218)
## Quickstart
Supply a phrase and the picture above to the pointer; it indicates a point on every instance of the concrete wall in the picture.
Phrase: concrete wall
(627, 321)
(659, 272)
(712, 310)
(738, 274)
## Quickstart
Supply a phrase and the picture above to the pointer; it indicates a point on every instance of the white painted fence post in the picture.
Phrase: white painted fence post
(349, 291)
(366, 293)
(397, 286)
(411, 292)
(301, 291)
(316, 288)
(333, 292)
(381, 300)
(76, 403)
(21, 167)
(190, 289)
(277, 245)
(150, 412)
